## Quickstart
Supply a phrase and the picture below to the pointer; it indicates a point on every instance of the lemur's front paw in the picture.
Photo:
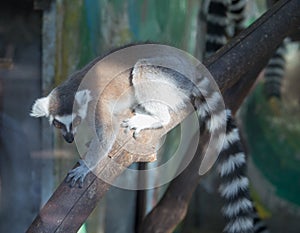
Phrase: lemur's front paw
(131, 124)
(77, 174)
(139, 122)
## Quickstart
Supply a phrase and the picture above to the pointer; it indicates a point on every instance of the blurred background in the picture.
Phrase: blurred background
(44, 41)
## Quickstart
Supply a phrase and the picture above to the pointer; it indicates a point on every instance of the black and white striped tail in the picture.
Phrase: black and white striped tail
(237, 14)
(217, 22)
(221, 16)
(238, 208)
(234, 188)
(274, 73)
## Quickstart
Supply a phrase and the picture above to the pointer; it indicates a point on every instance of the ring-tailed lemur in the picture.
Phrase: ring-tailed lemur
(58, 107)
(234, 188)
(169, 88)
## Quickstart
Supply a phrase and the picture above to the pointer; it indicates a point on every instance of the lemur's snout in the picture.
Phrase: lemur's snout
(69, 137)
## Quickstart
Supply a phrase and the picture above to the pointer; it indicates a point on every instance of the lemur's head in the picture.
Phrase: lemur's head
(64, 110)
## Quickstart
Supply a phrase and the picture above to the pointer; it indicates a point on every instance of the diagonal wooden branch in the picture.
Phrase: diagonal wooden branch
(234, 68)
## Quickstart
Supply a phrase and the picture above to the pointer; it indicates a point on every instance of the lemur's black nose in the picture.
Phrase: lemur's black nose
(69, 137)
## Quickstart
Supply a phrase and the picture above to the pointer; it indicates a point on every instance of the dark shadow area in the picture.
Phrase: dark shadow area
(20, 71)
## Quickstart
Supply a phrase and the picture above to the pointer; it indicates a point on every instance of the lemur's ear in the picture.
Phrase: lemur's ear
(40, 108)
(83, 97)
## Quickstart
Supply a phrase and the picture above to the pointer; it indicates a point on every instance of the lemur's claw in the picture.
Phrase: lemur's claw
(77, 175)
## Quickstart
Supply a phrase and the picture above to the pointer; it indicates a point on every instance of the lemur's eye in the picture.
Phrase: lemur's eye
(57, 124)
(76, 121)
